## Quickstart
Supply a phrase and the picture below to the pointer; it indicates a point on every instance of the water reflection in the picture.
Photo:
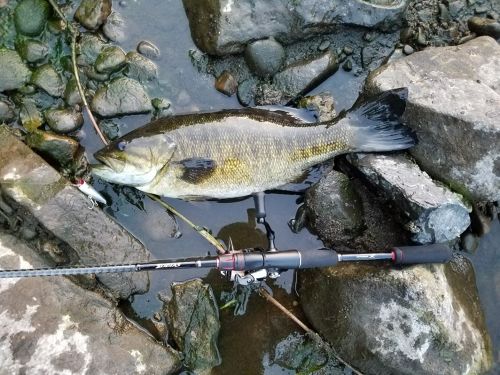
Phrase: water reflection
(244, 234)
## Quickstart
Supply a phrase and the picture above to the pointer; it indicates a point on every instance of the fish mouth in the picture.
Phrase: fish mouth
(109, 161)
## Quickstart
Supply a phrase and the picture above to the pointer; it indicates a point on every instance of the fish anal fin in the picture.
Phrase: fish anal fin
(196, 170)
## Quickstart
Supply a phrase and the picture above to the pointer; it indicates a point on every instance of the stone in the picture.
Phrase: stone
(7, 112)
(93, 13)
(32, 50)
(64, 120)
(121, 97)
(148, 49)
(407, 49)
(14, 73)
(30, 16)
(192, 316)
(245, 92)
(58, 149)
(430, 211)
(114, 28)
(469, 242)
(453, 107)
(140, 68)
(423, 319)
(62, 209)
(307, 354)
(110, 129)
(48, 79)
(347, 66)
(162, 107)
(110, 59)
(226, 83)
(334, 209)
(220, 27)
(302, 76)
(484, 26)
(71, 94)
(29, 114)
(50, 325)
(88, 48)
(265, 57)
(321, 104)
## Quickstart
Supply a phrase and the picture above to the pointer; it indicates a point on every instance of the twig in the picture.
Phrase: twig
(74, 33)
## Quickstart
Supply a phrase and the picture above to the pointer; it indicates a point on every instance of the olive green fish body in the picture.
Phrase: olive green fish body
(235, 153)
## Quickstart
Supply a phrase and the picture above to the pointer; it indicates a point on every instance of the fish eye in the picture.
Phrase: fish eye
(121, 145)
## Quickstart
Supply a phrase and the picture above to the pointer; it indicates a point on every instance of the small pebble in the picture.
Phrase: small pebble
(157, 316)
(470, 242)
(148, 49)
(226, 83)
(348, 50)
(347, 65)
(369, 37)
(407, 49)
(324, 45)
(246, 91)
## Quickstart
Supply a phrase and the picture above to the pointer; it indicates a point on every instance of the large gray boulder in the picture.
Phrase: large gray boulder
(454, 107)
(416, 320)
(430, 211)
(223, 27)
(50, 325)
(94, 237)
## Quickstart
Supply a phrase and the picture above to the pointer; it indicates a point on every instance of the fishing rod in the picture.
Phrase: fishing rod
(253, 265)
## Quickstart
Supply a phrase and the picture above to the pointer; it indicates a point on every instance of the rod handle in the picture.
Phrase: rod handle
(434, 253)
(318, 258)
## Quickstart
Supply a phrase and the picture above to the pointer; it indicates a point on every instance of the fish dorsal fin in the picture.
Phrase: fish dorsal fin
(195, 170)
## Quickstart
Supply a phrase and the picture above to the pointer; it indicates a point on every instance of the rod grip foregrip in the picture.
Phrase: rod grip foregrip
(318, 258)
(434, 253)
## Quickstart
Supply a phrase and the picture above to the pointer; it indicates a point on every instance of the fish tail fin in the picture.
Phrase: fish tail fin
(377, 123)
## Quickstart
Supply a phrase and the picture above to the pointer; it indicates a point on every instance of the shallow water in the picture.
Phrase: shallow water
(249, 339)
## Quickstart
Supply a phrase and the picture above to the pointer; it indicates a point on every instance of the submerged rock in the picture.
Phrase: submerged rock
(89, 47)
(484, 26)
(148, 49)
(47, 79)
(71, 93)
(453, 106)
(265, 57)
(93, 13)
(321, 104)
(221, 27)
(114, 28)
(64, 120)
(162, 107)
(30, 16)
(13, 74)
(109, 60)
(140, 68)
(334, 209)
(192, 316)
(32, 50)
(68, 330)
(416, 320)
(29, 114)
(122, 96)
(226, 83)
(430, 211)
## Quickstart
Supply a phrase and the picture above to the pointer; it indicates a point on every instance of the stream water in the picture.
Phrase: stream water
(248, 339)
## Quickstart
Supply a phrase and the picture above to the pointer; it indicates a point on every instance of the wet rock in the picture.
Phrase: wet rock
(321, 104)
(93, 13)
(110, 129)
(307, 354)
(407, 49)
(114, 28)
(246, 91)
(148, 49)
(110, 60)
(14, 73)
(89, 48)
(303, 76)
(59, 149)
(162, 107)
(64, 120)
(192, 316)
(469, 242)
(30, 16)
(266, 93)
(48, 79)
(265, 57)
(94, 75)
(416, 320)
(226, 83)
(7, 113)
(32, 50)
(484, 26)
(63, 210)
(334, 209)
(430, 211)
(122, 96)
(80, 329)
(71, 93)
(221, 28)
(141, 68)
(453, 106)
(29, 114)
(347, 66)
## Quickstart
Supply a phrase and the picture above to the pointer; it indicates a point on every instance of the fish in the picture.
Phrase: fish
(237, 153)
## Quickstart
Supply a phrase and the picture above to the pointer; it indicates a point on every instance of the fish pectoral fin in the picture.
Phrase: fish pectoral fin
(195, 170)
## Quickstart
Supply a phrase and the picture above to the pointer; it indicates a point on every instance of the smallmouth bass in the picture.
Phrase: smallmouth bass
(235, 153)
